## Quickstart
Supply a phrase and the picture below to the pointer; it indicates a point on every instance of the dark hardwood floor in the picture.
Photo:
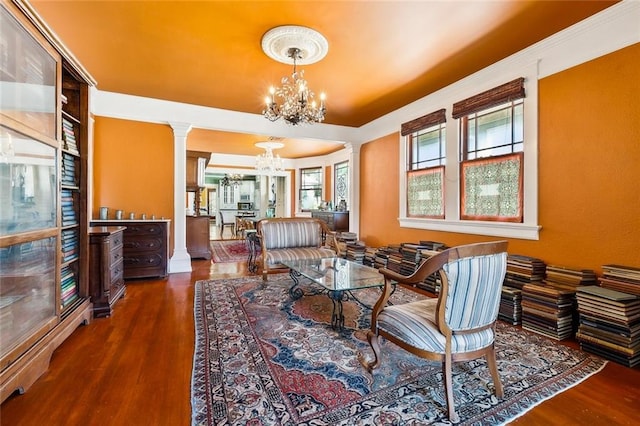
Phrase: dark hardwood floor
(134, 368)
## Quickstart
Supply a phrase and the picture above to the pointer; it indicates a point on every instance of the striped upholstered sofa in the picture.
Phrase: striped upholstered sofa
(293, 238)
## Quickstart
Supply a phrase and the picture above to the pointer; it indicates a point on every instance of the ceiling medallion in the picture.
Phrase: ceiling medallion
(296, 102)
(312, 45)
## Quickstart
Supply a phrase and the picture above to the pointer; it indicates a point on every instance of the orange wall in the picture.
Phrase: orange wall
(589, 171)
(133, 168)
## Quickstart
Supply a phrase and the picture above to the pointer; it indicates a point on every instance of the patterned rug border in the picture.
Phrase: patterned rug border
(221, 253)
(508, 409)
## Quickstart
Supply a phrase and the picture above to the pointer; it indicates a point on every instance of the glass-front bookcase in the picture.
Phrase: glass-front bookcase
(43, 196)
(28, 181)
(29, 235)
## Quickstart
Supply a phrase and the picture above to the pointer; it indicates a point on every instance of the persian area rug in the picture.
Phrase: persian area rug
(263, 359)
(229, 251)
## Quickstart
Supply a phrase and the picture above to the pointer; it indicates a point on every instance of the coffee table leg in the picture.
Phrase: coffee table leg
(337, 317)
(295, 293)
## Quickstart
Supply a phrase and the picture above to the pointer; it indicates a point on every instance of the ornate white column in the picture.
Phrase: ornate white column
(180, 261)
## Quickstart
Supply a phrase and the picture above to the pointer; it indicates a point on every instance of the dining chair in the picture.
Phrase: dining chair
(458, 325)
(228, 224)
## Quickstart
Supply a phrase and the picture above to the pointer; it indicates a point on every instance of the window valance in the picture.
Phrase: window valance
(498, 95)
(436, 117)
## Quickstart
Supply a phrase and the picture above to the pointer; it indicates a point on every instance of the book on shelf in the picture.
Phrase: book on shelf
(68, 136)
(69, 299)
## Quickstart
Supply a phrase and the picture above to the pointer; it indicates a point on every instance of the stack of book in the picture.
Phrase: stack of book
(521, 270)
(433, 245)
(68, 170)
(345, 238)
(355, 252)
(370, 257)
(69, 136)
(569, 278)
(622, 278)
(394, 261)
(69, 286)
(69, 245)
(410, 257)
(69, 216)
(609, 324)
(432, 282)
(382, 257)
(510, 305)
(547, 310)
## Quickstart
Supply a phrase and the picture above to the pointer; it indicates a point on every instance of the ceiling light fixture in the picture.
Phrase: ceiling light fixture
(267, 163)
(293, 101)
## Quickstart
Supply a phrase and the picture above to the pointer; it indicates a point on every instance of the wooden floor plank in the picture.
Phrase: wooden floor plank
(134, 368)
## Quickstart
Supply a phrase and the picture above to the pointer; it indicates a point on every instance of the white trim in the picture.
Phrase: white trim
(494, 229)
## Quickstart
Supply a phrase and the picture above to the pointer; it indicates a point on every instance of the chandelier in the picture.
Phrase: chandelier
(231, 180)
(293, 101)
(267, 163)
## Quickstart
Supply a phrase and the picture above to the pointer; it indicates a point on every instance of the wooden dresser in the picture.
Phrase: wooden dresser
(337, 221)
(145, 247)
(198, 237)
(106, 281)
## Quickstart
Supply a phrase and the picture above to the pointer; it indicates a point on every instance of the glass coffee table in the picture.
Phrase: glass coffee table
(336, 277)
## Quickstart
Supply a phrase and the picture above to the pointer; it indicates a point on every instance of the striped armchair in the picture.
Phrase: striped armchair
(456, 326)
(291, 239)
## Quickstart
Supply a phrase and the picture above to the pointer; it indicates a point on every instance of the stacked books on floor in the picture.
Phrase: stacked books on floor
(355, 252)
(622, 278)
(411, 257)
(549, 308)
(369, 257)
(510, 310)
(381, 259)
(343, 239)
(69, 283)
(432, 282)
(69, 136)
(609, 324)
(521, 270)
(394, 257)
(569, 278)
